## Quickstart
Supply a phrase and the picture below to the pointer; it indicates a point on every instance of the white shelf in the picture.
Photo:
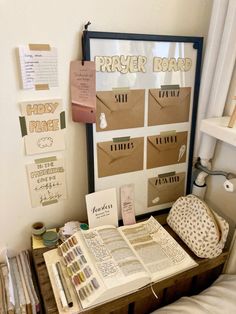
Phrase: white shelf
(217, 127)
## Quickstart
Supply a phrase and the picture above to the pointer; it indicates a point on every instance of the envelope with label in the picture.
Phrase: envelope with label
(168, 105)
(120, 109)
(120, 156)
(165, 188)
(166, 149)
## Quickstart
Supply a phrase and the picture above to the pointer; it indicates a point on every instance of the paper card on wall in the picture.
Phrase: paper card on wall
(46, 179)
(42, 126)
(102, 208)
(83, 91)
(38, 65)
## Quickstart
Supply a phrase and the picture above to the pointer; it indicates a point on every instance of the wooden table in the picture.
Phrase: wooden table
(142, 301)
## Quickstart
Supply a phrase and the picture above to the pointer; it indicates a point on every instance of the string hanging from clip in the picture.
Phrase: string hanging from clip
(84, 41)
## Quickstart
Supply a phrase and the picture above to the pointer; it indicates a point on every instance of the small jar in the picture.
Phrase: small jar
(38, 229)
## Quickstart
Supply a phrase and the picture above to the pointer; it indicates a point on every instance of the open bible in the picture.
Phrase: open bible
(107, 262)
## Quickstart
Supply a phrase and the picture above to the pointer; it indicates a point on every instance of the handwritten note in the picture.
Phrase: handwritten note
(46, 179)
(38, 64)
(42, 124)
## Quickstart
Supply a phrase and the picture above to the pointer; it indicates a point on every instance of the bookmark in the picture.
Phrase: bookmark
(127, 204)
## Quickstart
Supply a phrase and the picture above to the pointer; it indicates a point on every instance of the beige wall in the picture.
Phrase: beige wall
(59, 23)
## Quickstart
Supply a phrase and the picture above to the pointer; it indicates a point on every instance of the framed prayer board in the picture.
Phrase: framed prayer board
(146, 104)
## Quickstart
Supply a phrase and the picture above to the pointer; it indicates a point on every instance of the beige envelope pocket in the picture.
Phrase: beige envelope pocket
(168, 106)
(120, 109)
(120, 157)
(166, 149)
(165, 188)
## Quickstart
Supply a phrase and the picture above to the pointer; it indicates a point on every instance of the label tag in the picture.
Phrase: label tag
(83, 91)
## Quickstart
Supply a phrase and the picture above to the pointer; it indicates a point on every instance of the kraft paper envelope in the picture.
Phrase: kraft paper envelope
(168, 106)
(166, 149)
(165, 189)
(120, 157)
(120, 109)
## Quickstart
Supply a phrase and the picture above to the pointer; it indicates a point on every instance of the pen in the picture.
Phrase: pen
(59, 286)
(64, 285)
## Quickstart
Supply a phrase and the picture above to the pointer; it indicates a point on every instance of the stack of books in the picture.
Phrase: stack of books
(17, 288)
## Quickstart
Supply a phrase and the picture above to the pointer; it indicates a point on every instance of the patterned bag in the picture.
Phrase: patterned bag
(198, 226)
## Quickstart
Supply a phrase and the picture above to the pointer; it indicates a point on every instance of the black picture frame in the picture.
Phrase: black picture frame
(197, 44)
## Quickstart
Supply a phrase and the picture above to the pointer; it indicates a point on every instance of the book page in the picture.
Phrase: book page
(112, 256)
(88, 285)
(161, 255)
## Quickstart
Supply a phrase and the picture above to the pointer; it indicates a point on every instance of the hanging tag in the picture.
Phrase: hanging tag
(83, 91)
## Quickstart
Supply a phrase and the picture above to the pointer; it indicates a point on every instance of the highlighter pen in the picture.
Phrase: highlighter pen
(64, 285)
(59, 287)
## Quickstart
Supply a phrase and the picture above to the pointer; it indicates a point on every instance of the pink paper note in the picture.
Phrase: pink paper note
(83, 91)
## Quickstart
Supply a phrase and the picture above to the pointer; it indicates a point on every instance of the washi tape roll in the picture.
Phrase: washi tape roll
(38, 229)
(50, 238)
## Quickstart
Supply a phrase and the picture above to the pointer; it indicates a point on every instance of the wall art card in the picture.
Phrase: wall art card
(47, 182)
(38, 66)
(42, 126)
(102, 208)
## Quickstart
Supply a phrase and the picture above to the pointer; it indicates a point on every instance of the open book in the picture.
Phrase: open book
(107, 262)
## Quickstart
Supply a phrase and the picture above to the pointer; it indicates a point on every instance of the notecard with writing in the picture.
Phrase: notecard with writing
(38, 66)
